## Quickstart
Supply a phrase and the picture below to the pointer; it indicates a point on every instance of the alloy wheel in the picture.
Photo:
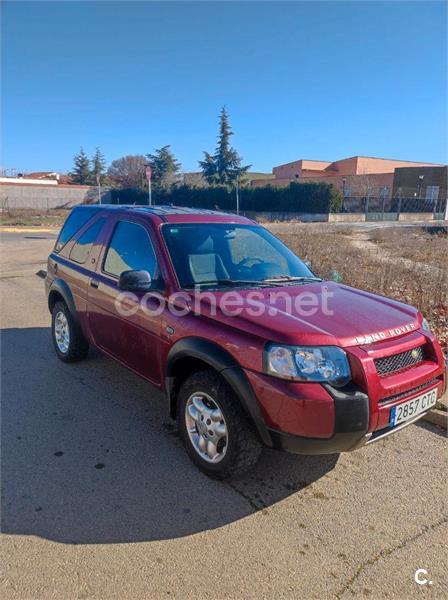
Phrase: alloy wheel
(206, 427)
(62, 332)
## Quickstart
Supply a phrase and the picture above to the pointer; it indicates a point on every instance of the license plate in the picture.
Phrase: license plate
(412, 408)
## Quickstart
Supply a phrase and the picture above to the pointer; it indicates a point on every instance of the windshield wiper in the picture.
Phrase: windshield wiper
(231, 282)
(280, 278)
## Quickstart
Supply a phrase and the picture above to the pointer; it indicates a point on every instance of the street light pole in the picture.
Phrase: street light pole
(237, 196)
(148, 172)
(98, 181)
(400, 197)
(384, 194)
(367, 200)
(420, 183)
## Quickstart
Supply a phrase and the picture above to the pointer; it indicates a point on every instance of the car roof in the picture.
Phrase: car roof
(175, 214)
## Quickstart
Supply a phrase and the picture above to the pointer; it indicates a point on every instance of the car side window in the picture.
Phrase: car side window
(81, 250)
(76, 219)
(130, 249)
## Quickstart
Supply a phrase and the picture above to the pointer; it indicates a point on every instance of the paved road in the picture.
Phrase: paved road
(100, 501)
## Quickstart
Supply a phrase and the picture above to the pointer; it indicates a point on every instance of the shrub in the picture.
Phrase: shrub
(297, 197)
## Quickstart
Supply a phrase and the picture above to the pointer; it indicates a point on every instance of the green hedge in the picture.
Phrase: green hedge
(297, 197)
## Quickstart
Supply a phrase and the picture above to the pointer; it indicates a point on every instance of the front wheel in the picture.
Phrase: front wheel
(216, 433)
(68, 340)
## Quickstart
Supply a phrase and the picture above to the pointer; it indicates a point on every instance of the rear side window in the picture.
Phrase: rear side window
(81, 250)
(130, 249)
(77, 219)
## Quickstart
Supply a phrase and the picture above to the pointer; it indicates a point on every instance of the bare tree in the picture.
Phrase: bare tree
(128, 171)
(363, 185)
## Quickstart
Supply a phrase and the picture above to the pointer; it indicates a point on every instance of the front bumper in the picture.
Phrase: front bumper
(351, 422)
(296, 444)
(351, 418)
(340, 442)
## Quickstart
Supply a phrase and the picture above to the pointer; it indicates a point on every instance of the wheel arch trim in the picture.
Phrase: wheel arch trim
(61, 287)
(226, 365)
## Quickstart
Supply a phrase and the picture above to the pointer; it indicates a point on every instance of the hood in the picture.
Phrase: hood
(321, 313)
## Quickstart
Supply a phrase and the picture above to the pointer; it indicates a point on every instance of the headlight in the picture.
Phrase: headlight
(425, 325)
(308, 363)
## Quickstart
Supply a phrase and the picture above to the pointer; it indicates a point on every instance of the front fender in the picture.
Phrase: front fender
(226, 365)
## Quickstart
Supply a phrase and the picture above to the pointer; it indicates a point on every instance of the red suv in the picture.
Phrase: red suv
(249, 345)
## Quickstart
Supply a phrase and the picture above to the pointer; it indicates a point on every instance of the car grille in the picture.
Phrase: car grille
(399, 362)
(407, 393)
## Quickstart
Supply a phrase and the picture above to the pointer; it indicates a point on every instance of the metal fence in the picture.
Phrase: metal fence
(390, 209)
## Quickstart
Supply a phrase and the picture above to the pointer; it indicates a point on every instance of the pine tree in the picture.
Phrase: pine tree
(98, 166)
(164, 167)
(81, 173)
(224, 166)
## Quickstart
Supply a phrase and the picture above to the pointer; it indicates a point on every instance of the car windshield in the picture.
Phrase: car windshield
(223, 254)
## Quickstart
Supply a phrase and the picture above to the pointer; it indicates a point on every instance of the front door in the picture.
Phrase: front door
(122, 328)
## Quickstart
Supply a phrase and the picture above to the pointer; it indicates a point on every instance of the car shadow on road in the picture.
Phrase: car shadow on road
(90, 456)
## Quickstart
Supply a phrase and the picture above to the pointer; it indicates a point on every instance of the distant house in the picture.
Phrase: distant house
(46, 175)
(355, 176)
(23, 181)
(34, 178)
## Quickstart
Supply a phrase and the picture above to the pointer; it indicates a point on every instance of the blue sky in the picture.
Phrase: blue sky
(317, 80)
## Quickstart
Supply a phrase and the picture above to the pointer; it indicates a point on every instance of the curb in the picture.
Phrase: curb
(437, 417)
(37, 228)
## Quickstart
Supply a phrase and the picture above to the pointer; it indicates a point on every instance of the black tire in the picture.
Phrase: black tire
(78, 347)
(243, 446)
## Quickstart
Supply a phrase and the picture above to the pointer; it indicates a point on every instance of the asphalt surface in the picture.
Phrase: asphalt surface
(99, 499)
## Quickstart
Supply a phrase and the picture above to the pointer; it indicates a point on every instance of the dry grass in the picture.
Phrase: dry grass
(32, 217)
(409, 266)
(428, 246)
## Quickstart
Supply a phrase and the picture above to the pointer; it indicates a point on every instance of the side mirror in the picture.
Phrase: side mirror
(135, 281)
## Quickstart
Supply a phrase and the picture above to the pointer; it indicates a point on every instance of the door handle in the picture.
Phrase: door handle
(94, 283)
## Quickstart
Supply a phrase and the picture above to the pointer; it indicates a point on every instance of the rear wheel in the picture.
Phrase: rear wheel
(68, 340)
(216, 433)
